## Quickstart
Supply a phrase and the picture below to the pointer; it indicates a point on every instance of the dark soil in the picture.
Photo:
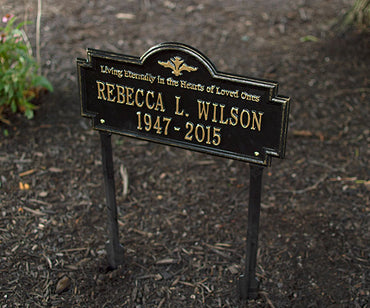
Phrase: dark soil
(183, 222)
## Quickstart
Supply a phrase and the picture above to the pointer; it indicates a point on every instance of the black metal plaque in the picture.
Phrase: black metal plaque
(174, 95)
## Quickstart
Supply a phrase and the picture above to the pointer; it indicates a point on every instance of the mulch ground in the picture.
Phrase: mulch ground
(183, 221)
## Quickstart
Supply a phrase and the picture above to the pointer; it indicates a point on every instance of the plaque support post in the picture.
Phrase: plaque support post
(248, 283)
(114, 249)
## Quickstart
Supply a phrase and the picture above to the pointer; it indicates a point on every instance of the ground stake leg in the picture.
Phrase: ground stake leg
(248, 283)
(114, 250)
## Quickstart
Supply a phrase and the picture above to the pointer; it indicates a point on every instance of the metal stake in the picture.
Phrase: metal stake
(115, 251)
(248, 283)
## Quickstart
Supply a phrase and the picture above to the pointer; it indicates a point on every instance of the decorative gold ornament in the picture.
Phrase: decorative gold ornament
(177, 65)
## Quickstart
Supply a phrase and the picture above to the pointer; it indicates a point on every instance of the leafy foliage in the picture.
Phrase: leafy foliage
(19, 81)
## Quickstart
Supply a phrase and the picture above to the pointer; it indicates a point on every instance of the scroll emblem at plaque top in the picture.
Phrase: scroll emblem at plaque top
(177, 65)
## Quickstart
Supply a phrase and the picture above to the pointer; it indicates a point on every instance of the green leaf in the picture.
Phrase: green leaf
(29, 114)
(41, 81)
(13, 105)
(309, 38)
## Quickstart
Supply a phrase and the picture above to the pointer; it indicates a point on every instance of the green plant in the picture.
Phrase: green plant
(19, 81)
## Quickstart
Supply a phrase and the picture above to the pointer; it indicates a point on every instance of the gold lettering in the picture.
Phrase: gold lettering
(234, 114)
(139, 104)
(159, 103)
(129, 92)
(202, 110)
(256, 120)
(241, 118)
(120, 94)
(222, 121)
(101, 88)
(151, 93)
(214, 112)
(110, 88)
(188, 85)
(177, 112)
(131, 96)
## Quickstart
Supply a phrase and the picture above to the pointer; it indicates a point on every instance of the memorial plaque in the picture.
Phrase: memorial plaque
(174, 95)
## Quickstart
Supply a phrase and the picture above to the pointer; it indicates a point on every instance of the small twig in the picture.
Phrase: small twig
(28, 172)
(309, 188)
(48, 260)
(217, 251)
(205, 287)
(124, 175)
(74, 249)
(269, 302)
(351, 91)
(187, 284)
(155, 276)
(167, 261)
(40, 202)
(38, 26)
(25, 18)
(161, 302)
(35, 212)
(143, 233)
(3, 119)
